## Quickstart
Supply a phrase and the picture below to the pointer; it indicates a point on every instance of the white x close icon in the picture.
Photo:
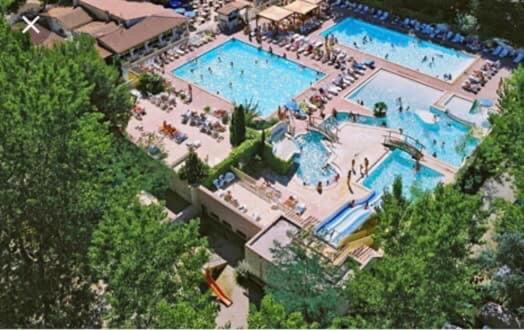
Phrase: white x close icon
(30, 24)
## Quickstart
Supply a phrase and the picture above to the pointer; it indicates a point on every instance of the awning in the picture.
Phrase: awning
(231, 7)
(315, 2)
(301, 7)
(275, 14)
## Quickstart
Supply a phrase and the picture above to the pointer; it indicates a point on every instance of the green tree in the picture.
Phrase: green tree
(194, 169)
(151, 83)
(501, 151)
(59, 163)
(251, 114)
(302, 282)
(262, 144)
(237, 127)
(504, 264)
(424, 279)
(109, 93)
(153, 270)
(389, 215)
(273, 315)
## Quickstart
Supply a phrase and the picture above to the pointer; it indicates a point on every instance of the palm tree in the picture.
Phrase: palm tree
(380, 109)
(251, 112)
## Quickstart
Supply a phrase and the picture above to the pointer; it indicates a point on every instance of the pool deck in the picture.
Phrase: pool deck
(355, 140)
(210, 150)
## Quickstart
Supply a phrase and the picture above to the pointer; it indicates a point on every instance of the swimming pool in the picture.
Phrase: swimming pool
(312, 161)
(399, 163)
(400, 48)
(446, 138)
(468, 111)
(255, 75)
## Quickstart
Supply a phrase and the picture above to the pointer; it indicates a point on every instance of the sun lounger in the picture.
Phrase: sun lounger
(300, 208)
(229, 177)
(503, 53)
(218, 184)
(333, 90)
(518, 58)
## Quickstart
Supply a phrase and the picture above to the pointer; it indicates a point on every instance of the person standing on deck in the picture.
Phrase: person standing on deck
(349, 182)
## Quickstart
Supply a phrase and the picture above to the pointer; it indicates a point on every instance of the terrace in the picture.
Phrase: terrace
(349, 74)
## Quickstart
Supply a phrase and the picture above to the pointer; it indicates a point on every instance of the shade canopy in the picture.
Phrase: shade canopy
(315, 2)
(301, 7)
(275, 14)
(231, 7)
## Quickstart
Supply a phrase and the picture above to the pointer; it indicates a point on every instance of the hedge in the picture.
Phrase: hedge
(244, 152)
(277, 164)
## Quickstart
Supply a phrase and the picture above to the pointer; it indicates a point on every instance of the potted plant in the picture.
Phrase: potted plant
(380, 109)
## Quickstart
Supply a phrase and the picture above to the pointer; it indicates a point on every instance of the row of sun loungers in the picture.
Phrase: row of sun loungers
(479, 78)
(207, 126)
(224, 180)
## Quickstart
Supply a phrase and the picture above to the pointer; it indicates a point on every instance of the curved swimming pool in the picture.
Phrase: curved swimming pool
(448, 139)
(313, 160)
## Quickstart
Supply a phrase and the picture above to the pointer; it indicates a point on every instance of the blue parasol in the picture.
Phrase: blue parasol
(486, 103)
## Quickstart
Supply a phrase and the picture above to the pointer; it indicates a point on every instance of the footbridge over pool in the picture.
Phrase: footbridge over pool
(404, 142)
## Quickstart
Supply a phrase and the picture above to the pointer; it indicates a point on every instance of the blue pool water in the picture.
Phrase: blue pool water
(312, 160)
(447, 138)
(255, 75)
(402, 49)
(399, 163)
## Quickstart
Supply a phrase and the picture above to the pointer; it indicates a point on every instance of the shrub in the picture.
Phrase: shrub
(278, 165)
(194, 169)
(151, 83)
(242, 153)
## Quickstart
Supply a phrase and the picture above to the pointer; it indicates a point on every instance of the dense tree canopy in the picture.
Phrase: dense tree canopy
(302, 282)
(59, 164)
(489, 18)
(162, 263)
(273, 315)
(424, 279)
(502, 151)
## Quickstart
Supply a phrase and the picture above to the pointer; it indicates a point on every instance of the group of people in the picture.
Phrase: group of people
(363, 171)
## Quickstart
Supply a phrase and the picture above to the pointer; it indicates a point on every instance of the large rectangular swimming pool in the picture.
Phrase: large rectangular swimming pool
(400, 48)
(442, 136)
(242, 73)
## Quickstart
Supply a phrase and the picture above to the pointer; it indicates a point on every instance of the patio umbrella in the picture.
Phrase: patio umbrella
(292, 105)
(486, 103)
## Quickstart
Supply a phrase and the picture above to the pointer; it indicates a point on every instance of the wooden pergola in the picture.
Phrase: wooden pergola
(275, 14)
(301, 8)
